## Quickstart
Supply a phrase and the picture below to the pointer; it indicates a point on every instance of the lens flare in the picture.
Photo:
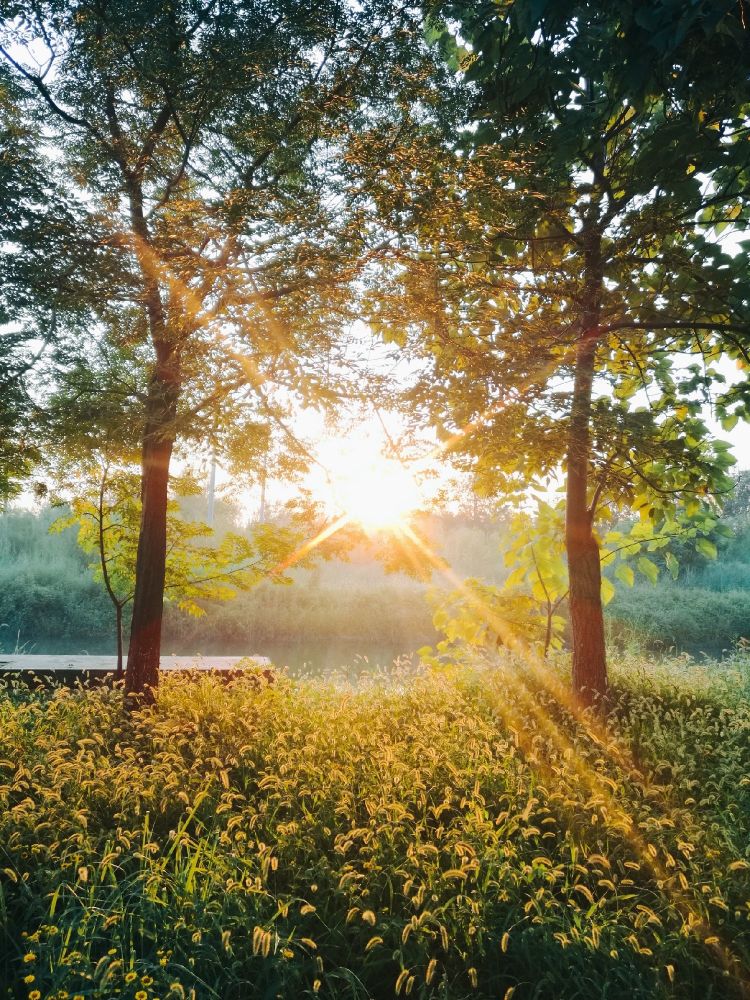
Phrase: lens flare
(378, 493)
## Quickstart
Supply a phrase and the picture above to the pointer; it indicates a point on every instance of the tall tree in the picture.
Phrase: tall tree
(563, 267)
(201, 134)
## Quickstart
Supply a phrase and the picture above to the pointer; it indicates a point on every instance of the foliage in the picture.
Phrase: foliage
(458, 834)
(45, 586)
(107, 512)
(106, 507)
(209, 143)
(49, 597)
(529, 606)
(39, 244)
(695, 619)
(478, 615)
(563, 270)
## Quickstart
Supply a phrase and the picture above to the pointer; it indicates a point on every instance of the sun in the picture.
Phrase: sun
(376, 492)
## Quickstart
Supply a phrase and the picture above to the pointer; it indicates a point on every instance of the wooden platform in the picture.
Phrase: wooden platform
(101, 666)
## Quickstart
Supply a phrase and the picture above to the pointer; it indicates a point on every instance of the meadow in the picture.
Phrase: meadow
(455, 832)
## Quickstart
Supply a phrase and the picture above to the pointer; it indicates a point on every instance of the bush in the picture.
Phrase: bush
(682, 618)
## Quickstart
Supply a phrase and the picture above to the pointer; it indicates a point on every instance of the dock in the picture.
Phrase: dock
(84, 667)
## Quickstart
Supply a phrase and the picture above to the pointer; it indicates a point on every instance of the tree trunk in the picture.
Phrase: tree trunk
(548, 631)
(118, 626)
(142, 673)
(144, 651)
(584, 565)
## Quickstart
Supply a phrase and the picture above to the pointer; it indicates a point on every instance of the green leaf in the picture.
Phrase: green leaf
(673, 564)
(649, 569)
(706, 548)
(625, 574)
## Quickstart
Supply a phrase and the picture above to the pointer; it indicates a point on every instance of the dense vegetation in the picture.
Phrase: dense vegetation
(455, 834)
(510, 233)
(49, 601)
(47, 593)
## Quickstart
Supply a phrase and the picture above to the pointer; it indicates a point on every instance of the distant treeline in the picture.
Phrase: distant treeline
(50, 601)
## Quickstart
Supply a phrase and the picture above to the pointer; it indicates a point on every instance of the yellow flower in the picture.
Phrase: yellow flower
(29, 979)
(141, 995)
(130, 976)
(146, 980)
(29, 957)
(35, 995)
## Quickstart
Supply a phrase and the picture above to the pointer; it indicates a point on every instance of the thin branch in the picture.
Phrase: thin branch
(40, 85)
(670, 324)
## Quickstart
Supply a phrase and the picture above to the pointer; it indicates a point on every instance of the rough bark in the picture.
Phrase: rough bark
(118, 626)
(142, 674)
(584, 565)
(144, 651)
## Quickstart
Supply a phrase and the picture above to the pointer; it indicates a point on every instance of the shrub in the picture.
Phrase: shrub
(683, 618)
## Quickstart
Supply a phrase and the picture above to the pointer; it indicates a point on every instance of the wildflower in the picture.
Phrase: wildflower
(130, 976)
(141, 995)
(35, 995)
(29, 956)
(29, 979)
(147, 980)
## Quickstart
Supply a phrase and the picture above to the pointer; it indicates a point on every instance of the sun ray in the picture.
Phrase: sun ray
(595, 784)
(309, 546)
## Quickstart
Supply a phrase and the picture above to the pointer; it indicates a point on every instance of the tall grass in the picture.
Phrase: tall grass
(438, 834)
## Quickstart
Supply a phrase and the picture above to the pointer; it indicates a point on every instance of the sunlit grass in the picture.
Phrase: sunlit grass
(449, 833)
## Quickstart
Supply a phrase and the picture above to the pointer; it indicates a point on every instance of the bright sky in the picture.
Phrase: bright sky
(357, 473)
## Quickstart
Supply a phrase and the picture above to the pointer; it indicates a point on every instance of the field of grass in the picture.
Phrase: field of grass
(455, 833)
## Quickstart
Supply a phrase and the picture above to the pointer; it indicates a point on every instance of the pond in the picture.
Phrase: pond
(301, 657)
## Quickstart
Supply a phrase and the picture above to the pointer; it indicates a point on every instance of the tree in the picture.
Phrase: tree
(105, 507)
(201, 135)
(576, 306)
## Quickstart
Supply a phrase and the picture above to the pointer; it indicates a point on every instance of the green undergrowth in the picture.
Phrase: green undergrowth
(456, 833)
